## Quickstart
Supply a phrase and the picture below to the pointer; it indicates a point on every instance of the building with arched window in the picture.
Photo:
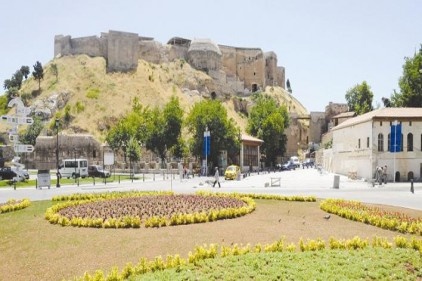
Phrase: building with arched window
(362, 143)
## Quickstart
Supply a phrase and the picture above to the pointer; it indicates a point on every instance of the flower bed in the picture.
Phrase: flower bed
(376, 216)
(214, 251)
(14, 205)
(151, 209)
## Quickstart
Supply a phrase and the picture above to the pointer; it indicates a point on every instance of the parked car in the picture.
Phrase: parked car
(97, 171)
(23, 173)
(289, 165)
(7, 173)
(295, 161)
(232, 172)
(308, 163)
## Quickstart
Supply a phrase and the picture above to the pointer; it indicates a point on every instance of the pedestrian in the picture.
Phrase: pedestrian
(384, 174)
(216, 176)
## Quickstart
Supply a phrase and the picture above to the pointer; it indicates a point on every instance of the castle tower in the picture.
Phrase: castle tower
(203, 54)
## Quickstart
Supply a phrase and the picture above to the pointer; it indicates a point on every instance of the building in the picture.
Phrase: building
(361, 144)
(250, 154)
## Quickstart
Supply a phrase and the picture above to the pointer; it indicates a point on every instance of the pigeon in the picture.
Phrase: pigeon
(327, 217)
(288, 212)
(279, 220)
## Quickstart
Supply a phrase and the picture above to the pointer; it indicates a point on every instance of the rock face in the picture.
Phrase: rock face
(235, 69)
(45, 108)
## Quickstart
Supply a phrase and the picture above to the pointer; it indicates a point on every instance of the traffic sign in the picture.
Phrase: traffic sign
(23, 148)
(14, 138)
(17, 120)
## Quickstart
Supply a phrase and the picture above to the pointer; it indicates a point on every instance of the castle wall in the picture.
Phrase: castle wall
(246, 68)
(316, 126)
(122, 51)
(229, 62)
(177, 52)
(152, 51)
(251, 67)
(270, 69)
(281, 77)
(62, 45)
(204, 60)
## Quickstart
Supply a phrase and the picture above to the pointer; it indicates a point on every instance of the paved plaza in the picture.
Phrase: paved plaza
(298, 182)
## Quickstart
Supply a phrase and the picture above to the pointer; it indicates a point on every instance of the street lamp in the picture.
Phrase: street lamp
(207, 141)
(57, 124)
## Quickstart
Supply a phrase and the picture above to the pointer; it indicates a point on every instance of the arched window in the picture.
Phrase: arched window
(380, 142)
(409, 142)
(389, 142)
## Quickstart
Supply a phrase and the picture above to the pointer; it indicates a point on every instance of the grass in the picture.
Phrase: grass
(366, 264)
(87, 180)
(33, 249)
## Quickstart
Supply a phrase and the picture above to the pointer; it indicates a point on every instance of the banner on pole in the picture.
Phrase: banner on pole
(395, 138)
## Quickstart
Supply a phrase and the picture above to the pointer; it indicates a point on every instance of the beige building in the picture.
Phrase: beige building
(250, 153)
(361, 144)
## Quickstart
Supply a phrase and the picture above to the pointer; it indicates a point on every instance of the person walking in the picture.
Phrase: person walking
(384, 174)
(216, 176)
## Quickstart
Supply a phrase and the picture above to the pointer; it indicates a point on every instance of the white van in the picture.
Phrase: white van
(295, 161)
(71, 168)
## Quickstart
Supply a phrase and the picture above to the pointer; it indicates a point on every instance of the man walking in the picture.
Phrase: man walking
(384, 174)
(216, 176)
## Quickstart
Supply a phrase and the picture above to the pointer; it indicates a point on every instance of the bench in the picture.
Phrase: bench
(276, 181)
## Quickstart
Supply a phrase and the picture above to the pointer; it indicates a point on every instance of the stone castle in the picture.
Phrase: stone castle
(234, 69)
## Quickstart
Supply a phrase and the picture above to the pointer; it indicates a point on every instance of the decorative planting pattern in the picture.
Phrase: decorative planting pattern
(375, 216)
(14, 205)
(133, 209)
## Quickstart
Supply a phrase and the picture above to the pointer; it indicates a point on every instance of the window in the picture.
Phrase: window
(358, 143)
(367, 142)
(380, 142)
(409, 142)
(410, 123)
(380, 123)
(94, 154)
(389, 142)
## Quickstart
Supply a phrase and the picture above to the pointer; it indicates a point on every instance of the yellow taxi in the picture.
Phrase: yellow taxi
(232, 172)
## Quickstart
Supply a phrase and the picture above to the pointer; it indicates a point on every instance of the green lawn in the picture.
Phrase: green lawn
(366, 264)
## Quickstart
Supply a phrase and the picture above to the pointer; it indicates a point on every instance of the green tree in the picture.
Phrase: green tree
(164, 128)
(25, 71)
(38, 73)
(359, 98)
(133, 151)
(410, 83)
(267, 121)
(29, 136)
(225, 135)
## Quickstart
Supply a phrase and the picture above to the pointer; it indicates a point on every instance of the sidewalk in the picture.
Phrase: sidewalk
(298, 182)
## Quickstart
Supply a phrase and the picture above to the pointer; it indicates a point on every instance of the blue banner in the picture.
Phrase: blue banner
(395, 138)
(207, 145)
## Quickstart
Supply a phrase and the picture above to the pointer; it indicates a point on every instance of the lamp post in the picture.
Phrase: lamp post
(57, 124)
(76, 164)
(207, 136)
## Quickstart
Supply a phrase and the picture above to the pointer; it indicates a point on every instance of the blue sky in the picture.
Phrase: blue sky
(326, 46)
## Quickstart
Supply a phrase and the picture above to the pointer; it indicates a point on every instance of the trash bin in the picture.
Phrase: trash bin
(336, 184)
(43, 178)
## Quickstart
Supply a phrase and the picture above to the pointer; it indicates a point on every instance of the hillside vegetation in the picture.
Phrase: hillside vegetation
(96, 99)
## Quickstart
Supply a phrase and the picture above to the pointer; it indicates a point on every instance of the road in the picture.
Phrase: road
(298, 182)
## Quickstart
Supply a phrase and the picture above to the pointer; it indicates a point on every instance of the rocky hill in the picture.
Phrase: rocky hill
(95, 99)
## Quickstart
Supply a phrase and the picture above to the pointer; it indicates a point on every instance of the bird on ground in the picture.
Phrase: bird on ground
(279, 220)
(327, 217)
